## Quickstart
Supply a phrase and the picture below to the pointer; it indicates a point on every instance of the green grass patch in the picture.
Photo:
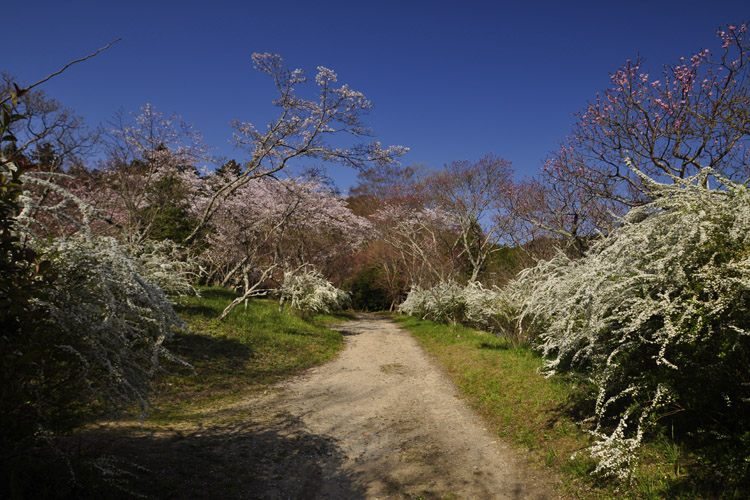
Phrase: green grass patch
(250, 349)
(502, 381)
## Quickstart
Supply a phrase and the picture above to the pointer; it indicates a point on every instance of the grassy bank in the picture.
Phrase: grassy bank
(539, 415)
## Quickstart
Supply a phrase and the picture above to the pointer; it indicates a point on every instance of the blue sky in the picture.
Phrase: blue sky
(450, 80)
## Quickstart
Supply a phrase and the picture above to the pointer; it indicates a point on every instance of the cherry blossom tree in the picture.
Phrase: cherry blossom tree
(150, 172)
(270, 226)
(302, 130)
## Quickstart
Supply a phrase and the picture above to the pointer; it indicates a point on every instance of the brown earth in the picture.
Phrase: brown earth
(381, 421)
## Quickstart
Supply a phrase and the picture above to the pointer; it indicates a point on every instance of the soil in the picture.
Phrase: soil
(381, 421)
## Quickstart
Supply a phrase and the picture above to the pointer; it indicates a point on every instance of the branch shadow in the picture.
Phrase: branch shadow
(495, 347)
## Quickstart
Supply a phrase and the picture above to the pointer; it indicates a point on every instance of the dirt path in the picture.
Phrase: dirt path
(381, 421)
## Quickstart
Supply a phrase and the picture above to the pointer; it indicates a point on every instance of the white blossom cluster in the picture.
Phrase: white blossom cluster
(663, 298)
(164, 265)
(473, 304)
(112, 320)
(107, 305)
(308, 291)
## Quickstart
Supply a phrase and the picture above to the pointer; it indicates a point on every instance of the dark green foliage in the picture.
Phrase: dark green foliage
(503, 265)
(168, 213)
(367, 294)
(23, 275)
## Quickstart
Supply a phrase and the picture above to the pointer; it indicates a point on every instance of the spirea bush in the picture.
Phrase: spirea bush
(165, 265)
(443, 302)
(83, 332)
(492, 309)
(309, 292)
(657, 315)
(82, 323)
(110, 323)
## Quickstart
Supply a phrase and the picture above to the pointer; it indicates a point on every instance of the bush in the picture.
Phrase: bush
(492, 309)
(163, 264)
(444, 302)
(81, 329)
(308, 292)
(109, 322)
(658, 315)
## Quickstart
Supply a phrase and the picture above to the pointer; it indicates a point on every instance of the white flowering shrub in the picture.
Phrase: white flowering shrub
(87, 331)
(443, 302)
(657, 315)
(165, 265)
(492, 309)
(415, 303)
(82, 323)
(110, 323)
(309, 292)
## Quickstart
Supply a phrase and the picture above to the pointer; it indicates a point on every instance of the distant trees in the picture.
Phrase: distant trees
(472, 193)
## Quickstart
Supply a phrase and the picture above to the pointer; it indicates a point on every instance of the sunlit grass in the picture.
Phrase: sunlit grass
(247, 351)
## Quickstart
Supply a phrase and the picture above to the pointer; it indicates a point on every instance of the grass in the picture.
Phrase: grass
(246, 352)
(502, 381)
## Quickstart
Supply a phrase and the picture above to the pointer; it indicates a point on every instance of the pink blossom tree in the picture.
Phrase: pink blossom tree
(269, 227)
(151, 170)
(693, 114)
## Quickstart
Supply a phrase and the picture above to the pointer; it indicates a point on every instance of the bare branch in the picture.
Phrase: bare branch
(52, 75)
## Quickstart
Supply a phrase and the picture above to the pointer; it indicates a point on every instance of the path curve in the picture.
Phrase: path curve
(383, 421)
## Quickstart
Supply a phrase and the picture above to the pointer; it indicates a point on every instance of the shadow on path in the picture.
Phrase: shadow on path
(246, 457)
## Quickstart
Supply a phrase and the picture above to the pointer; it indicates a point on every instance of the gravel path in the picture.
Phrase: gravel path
(381, 421)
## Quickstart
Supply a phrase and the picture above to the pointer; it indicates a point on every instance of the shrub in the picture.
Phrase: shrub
(658, 316)
(366, 292)
(443, 302)
(109, 322)
(165, 265)
(81, 329)
(492, 309)
(309, 292)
